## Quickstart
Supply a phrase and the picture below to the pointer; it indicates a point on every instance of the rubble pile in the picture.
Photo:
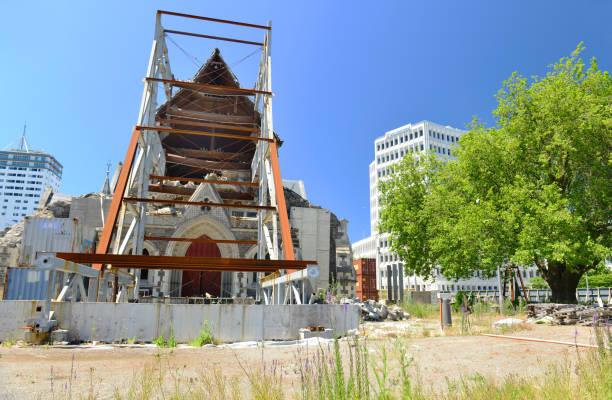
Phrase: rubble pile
(378, 311)
(569, 314)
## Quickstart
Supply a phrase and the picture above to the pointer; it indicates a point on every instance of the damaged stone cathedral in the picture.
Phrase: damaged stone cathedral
(317, 234)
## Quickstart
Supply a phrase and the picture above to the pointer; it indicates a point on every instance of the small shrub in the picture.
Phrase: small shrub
(162, 342)
(205, 337)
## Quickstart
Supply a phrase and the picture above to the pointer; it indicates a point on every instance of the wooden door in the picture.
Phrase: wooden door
(198, 283)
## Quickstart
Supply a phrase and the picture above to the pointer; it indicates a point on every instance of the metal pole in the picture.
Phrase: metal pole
(499, 296)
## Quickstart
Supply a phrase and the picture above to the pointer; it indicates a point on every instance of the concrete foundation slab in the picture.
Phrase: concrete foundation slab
(114, 322)
(324, 334)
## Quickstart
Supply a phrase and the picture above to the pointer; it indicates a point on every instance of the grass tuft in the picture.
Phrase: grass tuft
(205, 337)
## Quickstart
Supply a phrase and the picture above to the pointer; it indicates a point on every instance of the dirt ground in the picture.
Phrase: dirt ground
(51, 372)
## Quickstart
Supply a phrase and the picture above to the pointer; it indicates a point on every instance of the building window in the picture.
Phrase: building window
(401, 139)
(442, 136)
(411, 136)
(421, 133)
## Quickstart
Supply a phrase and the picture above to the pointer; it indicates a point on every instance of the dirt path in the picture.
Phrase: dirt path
(50, 372)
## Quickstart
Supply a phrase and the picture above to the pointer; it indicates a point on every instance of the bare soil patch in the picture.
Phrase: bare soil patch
(44, 372)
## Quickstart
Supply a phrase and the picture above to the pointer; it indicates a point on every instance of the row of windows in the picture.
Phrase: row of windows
(30, 189)
(402, 139)
(388, 257)
(438, 135)
(384, 172)
(392, 156)
(440, 150)
(15, 208)
(56, 174)
(22, 175)
(9, 194)
(15, 215)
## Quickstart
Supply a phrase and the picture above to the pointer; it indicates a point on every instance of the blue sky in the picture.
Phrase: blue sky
(344, 72)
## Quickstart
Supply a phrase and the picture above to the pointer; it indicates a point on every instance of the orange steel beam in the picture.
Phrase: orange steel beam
(202, 133)
(176, 82)
(197, 180)
(200, 163)
(113, 211)
(136, 261)
(223, 21)
(213, 37)
(208, 125)
(591, 346)
(281, 205)
(159, 188)
(196, 203)
(199, 240)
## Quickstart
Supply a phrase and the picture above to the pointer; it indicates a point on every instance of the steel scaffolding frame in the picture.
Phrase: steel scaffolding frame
(145, 160)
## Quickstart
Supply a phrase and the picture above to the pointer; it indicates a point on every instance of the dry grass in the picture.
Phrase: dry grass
(380, 370)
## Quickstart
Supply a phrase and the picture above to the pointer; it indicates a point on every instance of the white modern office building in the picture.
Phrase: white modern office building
(389, 149)
(24, 176)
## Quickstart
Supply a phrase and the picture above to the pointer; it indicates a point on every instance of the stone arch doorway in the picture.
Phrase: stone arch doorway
(202, 226)
(198, 283)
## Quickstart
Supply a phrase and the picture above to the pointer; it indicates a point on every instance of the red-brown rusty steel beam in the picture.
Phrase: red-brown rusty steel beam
(188, 84)
(207, 125)
(168, 262)
(197, 162)
(113, 211)
(199, 240)
(213, 37)
(183, 191)
(280, 204)
(202, 133)
(196, 203)
(223, 21)
(198, 180)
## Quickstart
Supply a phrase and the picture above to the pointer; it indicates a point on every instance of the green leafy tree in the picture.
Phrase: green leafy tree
(535, 189)
(537, 282)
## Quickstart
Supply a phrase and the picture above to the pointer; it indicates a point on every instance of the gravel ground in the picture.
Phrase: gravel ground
(51, 372)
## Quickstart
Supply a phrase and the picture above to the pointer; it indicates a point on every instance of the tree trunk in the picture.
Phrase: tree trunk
(562, 281)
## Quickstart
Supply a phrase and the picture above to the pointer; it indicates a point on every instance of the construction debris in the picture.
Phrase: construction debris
(569, 314)
(378, 311)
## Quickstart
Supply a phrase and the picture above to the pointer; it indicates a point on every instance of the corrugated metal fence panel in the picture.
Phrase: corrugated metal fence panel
(543, 295)
(48, 234)
(26, 284)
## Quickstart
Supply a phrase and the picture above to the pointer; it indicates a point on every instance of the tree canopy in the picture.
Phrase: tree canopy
(534, 189)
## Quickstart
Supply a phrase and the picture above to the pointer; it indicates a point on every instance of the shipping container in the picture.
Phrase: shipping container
(365, 269)
(26, 284)
(54, 234)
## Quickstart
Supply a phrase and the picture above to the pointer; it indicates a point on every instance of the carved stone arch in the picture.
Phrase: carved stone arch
(149, 246)
(200, 226)
(251, 252)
